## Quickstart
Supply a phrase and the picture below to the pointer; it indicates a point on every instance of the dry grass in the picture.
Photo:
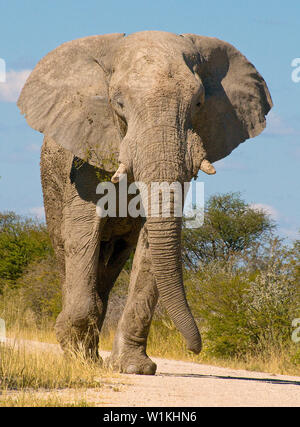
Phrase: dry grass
(25, 399)
(33, 376)
(22, 368)
(46, 335)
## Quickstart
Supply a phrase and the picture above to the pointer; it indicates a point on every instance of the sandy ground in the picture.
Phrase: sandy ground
(183, 384)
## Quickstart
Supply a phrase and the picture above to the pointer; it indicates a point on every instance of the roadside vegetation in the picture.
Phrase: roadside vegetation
(242, 283)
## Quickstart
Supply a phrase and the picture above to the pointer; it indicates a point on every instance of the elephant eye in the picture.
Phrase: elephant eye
(118, 107)
(198, 104)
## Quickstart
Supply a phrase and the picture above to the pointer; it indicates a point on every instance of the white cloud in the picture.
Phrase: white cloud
(38, 211)
(270, 210)
(10, 90)
(276, 126)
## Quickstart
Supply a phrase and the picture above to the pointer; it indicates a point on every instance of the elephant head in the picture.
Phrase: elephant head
(162, 106)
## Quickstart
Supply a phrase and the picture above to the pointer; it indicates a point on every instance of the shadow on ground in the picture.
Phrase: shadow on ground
(223, 377)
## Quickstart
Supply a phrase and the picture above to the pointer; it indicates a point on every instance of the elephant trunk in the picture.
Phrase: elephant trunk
(161, 160)
(164, 236)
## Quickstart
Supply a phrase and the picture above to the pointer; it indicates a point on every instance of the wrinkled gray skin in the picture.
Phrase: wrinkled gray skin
(163, 106)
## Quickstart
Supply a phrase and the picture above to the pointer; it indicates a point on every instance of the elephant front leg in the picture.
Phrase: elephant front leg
(129, 349)
(77, 326)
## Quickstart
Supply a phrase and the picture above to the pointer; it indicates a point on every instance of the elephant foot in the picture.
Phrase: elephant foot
(78, 340)
(133, 361)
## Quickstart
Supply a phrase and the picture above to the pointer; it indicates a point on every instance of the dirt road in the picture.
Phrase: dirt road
(190, 384)
(193, 385)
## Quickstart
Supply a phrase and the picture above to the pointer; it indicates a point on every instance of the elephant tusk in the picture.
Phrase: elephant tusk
(121, 171)
(207, 167)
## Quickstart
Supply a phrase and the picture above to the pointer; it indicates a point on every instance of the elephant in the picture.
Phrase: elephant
(153, 106)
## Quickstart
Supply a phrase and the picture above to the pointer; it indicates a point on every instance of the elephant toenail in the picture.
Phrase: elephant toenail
(131, 369)
(150, 369)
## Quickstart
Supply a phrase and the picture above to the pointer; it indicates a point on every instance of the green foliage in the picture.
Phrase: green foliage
(230, 227)
(22, 241)
(40, 287)
(242, 282)
(243, 312)
(294, 261)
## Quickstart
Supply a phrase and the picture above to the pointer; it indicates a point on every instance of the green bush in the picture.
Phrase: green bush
(40, 287)
(35, 301)
(243, 312)
(22, 241)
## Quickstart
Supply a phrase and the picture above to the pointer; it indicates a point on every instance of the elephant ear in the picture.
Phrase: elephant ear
(65, 97)
(237, 98)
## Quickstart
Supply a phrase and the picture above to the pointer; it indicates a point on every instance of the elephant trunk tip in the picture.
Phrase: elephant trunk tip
(195, 346)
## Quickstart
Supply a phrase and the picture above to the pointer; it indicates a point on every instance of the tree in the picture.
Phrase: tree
(230, 227)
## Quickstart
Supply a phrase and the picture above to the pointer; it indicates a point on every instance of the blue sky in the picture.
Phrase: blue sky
(265, 169)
